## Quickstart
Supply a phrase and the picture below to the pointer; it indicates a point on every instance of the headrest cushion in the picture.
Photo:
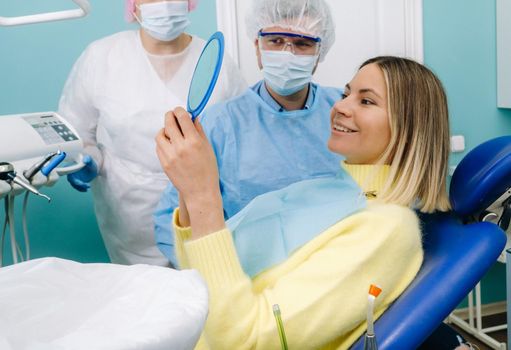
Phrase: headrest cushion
(482, 176)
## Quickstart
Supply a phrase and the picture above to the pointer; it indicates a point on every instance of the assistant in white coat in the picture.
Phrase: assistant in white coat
(116, 97)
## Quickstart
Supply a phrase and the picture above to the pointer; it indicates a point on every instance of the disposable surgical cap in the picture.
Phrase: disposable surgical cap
(130, 8)
(312, 17)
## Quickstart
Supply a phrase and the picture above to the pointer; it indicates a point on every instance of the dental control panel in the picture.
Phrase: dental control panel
(51, 129)
(29, 136)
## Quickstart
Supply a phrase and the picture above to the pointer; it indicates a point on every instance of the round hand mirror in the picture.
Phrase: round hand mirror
(205, 75)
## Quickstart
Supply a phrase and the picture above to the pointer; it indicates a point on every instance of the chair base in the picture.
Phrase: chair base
(477, 330)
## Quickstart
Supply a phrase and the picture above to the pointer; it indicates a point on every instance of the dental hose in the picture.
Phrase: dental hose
(4, 230)
(7, 173)
(9, 223)
(12, 229)
(370, 338)
(25, 230)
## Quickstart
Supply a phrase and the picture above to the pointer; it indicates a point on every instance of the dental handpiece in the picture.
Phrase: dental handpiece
(29, 173)
(19, 181)
(8, 174)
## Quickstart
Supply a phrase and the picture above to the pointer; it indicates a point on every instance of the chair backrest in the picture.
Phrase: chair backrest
(456, 258)
(456, 255)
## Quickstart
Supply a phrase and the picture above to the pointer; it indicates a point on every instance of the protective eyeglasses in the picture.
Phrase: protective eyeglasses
(300, 44)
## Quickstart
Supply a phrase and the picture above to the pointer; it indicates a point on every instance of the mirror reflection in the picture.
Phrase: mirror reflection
(204, 75)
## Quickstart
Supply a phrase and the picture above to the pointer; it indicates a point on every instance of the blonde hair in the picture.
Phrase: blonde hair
(419, 146)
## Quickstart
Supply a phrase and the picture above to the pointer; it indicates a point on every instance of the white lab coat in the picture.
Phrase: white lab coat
(117, 102)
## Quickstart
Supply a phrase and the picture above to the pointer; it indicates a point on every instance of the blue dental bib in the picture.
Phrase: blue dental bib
(275, 224)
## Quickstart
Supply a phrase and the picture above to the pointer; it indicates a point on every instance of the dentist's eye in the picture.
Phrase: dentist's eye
(366, 101)
(343, 96)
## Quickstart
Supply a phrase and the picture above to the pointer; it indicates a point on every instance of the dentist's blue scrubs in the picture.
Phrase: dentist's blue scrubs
(260, 147)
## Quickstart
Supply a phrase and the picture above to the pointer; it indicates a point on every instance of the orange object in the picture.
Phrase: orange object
(374, 290)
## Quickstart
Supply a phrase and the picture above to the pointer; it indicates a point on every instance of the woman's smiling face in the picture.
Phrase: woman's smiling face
(359, 121)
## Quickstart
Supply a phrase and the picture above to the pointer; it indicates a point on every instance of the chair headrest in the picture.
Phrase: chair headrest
(481, 177)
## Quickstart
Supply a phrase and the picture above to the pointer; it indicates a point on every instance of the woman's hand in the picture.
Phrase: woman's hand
(190, 163)
(186, 155)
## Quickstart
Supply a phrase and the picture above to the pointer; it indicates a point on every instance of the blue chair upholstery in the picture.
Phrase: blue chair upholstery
(481, 177)
(457, 255)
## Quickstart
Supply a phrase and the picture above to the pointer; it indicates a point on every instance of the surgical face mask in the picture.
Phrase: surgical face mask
(285, 72)
(164, 20)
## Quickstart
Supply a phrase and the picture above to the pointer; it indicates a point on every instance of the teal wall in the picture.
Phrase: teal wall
(34, 63)
(460, 46)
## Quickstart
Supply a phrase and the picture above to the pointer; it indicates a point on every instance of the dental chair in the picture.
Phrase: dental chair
(459, 248)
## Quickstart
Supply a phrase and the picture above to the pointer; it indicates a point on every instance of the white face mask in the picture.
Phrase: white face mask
(164, 20)
(285, 72)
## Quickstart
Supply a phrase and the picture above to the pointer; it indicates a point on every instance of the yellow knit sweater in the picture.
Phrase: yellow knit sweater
(321, 288)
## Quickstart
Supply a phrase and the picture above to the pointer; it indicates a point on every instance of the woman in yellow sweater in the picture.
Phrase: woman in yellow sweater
(392, 127)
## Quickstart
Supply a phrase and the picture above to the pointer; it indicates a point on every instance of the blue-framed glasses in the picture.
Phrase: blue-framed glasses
(300, 44)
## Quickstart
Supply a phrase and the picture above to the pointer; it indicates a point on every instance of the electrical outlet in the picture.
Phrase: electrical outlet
(457, 143)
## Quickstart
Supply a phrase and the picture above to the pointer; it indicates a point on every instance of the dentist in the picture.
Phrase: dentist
(275, 133)
(116, 97)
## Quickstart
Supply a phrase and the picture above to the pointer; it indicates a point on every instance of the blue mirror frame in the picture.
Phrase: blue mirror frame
(221, 43)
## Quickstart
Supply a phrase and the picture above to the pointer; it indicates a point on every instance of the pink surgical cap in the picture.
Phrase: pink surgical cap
(130, 8)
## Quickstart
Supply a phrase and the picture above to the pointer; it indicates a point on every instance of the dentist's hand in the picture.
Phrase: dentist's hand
(80, 179)
(190, 163)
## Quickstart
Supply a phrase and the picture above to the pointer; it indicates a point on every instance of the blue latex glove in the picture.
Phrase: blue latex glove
(80, 179)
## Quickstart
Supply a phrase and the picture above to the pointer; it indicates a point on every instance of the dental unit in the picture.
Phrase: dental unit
(27, 165)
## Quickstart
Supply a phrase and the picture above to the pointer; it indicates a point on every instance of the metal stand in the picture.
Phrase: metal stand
(477, 330)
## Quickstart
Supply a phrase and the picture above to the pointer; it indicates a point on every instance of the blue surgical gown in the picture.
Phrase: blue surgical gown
(259, 149)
